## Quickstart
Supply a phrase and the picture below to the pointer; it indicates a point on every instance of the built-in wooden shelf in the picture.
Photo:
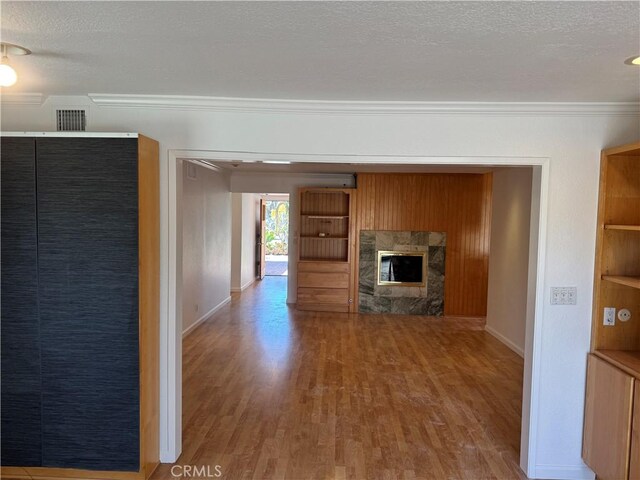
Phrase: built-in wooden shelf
(324, 251)
(626, 360)
(633, 282)
(629, 228)
(329, 217)
(611, 418)
(324, 238)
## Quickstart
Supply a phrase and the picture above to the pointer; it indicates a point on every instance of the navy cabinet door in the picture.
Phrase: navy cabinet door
(88, 291)
(21, 420)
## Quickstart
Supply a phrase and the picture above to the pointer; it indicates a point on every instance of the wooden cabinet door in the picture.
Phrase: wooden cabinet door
(634, 465)
(607, 424)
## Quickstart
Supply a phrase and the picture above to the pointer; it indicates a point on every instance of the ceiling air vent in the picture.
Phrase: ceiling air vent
(71, 120)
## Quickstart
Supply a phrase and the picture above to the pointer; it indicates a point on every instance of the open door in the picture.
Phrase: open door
(263, 240)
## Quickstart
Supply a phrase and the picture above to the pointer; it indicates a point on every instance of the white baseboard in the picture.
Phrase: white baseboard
(205, 316)
(505, 340)
(243, 287)
(563, 472)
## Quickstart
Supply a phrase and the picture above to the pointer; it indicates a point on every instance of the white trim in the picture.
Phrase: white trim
(204, 164)
(171, 355)
(277, 197)
(352, 159)
(171, 334)
(533, 344)
(72, 134)
(563, 472)
(243, 287)
(206, 316)
(331, 107)
(21, 98)
(500, 337)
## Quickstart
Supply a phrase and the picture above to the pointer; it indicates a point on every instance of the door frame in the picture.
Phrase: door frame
(263, 242)
(264, 198)
(171, 312)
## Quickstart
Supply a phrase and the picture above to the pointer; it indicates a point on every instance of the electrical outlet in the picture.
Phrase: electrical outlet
(609, 316)
(624, 315)
(564, 295)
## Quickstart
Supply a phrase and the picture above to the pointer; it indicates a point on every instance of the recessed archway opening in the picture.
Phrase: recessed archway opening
(530, 297)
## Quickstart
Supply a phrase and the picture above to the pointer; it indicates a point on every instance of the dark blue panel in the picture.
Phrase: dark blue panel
(88, 267)
(21, 420)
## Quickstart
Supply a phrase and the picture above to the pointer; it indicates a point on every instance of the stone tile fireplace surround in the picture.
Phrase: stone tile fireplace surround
(427, 300)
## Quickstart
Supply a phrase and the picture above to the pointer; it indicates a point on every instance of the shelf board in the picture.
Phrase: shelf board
(314, 237)
(633, 282)
(328, 260)
(627, 360)
(630, 228)
(334, 217)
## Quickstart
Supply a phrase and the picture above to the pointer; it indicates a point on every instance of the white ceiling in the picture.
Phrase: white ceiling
(404, 51)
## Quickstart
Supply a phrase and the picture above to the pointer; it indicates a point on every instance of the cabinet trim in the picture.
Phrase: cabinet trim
(71, 134)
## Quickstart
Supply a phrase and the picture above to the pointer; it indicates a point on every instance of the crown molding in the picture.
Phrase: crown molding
(279, 106)
(21, 98)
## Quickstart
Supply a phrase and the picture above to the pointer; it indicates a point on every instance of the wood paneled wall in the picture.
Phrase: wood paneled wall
(459, 204)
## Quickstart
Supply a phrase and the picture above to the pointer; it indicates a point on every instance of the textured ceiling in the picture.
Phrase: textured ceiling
(430, 51)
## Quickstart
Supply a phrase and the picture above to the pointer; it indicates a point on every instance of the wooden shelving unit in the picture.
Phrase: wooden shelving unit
(325, 245)
(324, 224)
(612, 422)
(633, 282)
(630, 228)
(617, 266)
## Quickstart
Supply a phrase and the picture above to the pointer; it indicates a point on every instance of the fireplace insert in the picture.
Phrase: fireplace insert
(399, 268)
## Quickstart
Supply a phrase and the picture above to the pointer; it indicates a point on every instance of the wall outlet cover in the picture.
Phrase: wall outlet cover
(609, 316)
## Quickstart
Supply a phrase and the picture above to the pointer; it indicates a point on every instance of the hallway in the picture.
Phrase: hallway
(271, 392)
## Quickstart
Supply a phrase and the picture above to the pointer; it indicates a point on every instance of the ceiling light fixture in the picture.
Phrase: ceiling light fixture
(8, 75)
(633, 61)
(277, 162)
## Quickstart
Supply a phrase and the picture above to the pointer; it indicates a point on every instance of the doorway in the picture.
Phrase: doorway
(534, 301)
(275, 235)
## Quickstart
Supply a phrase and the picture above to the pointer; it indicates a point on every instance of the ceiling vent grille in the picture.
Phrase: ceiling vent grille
(71, 120)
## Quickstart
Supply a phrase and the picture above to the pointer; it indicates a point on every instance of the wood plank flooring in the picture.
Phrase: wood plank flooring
(271, 392)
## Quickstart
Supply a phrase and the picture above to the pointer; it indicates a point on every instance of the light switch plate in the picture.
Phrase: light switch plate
(564, 295)
(609, 318)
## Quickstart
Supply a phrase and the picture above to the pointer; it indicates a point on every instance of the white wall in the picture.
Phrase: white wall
(236, 241)
(243, 240)
(206, 243)
(288, 183)
(572, 142)
(250, 207)
(509, 256)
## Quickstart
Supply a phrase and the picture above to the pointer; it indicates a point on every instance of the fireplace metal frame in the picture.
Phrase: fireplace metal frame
(400, 253)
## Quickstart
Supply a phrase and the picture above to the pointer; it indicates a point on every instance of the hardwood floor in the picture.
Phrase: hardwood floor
(271, 392)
